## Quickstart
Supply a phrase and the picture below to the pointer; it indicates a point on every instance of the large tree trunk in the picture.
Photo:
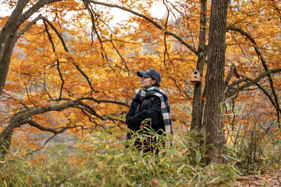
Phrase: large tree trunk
(9, 34)
(8, 38)
(5, 57)
(197, 110)
(213, 121)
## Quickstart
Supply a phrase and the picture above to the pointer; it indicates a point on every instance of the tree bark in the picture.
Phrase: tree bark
(9, 34)
(8, 40)
(213, 121)
(5, 58)
(6, 136)
(197, 110)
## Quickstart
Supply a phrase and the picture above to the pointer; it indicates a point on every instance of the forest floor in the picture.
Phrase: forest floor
(270, 179)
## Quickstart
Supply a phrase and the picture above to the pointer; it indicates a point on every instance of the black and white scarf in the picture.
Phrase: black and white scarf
(141, 94)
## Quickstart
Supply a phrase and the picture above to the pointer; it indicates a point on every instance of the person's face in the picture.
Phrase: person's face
(147, 82)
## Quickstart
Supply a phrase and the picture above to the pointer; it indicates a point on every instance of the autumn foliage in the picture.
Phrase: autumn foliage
(74, 55)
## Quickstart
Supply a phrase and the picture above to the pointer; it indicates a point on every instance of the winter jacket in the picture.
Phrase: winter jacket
(138, 113)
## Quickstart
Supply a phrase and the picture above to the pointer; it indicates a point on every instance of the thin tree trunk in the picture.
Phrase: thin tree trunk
(213, 121)
(196, 121)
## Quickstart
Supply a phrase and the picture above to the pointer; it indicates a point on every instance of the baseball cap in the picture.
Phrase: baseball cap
(150, 73)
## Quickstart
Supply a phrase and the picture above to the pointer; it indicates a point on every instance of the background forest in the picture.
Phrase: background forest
(65, 69)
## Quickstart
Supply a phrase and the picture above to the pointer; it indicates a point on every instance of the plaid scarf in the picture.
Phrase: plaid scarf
(140, 94)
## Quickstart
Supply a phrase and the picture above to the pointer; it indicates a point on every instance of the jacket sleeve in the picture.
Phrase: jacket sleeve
(131, 113)
(149, 113)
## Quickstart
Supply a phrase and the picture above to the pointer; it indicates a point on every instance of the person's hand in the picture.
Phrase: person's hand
(144, 123)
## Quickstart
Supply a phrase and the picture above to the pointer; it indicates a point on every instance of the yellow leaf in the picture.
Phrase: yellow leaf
(5, 184)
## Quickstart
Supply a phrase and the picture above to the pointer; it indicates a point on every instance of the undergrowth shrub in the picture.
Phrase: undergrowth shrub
(107, 161)
(256, 152)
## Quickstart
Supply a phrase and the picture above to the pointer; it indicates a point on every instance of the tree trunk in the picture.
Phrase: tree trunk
(213, 121)
(5, 57)
(9, 34)
(6, 136)
(8, 38)
(197, 110)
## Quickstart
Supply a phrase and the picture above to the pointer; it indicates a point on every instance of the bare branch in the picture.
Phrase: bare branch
(250, 83)
(118, 40)
(275, 6)
(91, 119)
(269, 97)
(94, 29)
(248, 36)
(34, 9)
(103, 101)
(66, 49)
(29, 94)
(165, 36)
(89, 80)
(53, 137)
(181, 121)
(233, 28)
(91, 110)
(232, 68)
(111, 41)
(58, 62)
(238, 81)
(45, 89)
(10, 97)
(40, 127)
(181, 89)
(22, 31)
(45, 143)
(56, 31)
(31, 112)
(15, 14)
(148, 19)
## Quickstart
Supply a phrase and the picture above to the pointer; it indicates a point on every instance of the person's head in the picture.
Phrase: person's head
(149, 78)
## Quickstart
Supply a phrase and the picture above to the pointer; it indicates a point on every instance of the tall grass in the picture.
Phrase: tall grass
(104, 160)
